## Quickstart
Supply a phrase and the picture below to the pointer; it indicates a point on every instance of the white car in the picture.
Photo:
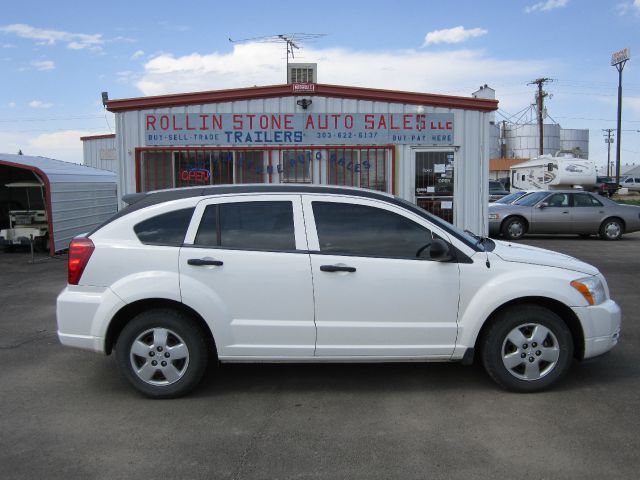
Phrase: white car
(290, 273)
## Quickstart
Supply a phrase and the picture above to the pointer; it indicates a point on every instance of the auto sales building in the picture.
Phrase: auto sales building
(429, 149)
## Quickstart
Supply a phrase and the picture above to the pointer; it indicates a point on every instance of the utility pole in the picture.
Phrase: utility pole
(608, 142)
(619, 60)
(540, 103)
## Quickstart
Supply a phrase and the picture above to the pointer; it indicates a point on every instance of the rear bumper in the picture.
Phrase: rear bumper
(83, 315)
(601, 326)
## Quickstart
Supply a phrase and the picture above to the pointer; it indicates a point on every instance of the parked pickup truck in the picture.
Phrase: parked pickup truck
(606, 186)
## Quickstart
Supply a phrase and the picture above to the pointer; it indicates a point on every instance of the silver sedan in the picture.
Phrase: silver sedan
(563, 211)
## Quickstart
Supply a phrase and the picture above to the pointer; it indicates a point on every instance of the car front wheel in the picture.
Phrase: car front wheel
(162, 353)
(527, 348)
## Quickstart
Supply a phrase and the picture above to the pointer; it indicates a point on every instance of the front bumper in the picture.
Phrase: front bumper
(601, 327)
(83, 315)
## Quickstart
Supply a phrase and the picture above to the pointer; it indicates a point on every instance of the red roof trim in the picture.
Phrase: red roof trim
(98, 137)
(358, 93)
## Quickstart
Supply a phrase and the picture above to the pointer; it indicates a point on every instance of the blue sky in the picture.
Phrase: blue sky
(56, 57)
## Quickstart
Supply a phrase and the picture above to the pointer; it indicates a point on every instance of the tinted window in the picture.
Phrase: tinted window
(249, 225)
(531, 199)
(558, 200)
(166, 229)
(585, 200)
(361, 230)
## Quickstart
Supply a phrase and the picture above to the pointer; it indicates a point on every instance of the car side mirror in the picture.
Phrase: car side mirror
(439, 251)
(543, 205)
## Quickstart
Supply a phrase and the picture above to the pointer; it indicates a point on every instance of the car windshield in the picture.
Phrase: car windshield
(511, 197)
(531, 199)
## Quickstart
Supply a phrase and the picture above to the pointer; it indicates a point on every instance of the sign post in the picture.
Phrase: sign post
(619, 60)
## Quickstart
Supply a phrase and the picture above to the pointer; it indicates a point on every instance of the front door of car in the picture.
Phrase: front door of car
(245, 265)
(552, 215)
(376, 293)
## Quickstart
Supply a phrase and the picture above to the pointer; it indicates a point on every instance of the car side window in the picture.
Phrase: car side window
(248, 225)
(594, 201)
(166, 229)
(583, 200)
(361, 230)
(558, 200)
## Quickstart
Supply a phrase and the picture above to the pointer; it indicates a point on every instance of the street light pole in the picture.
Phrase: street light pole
(619, 60)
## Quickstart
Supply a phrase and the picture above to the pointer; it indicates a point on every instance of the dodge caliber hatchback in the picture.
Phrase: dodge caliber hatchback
(322, 274)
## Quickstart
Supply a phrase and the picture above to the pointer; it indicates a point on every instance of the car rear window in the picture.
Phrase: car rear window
(165, 229)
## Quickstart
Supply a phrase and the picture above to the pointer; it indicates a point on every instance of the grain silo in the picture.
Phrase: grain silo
(575, 140)
(523, 141)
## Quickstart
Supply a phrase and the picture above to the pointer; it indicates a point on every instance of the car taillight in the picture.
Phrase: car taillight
(80, 250)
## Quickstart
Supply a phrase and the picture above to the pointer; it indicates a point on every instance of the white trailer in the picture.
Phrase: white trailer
(548, 172)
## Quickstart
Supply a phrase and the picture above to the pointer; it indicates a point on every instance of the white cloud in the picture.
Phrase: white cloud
(452, 35)
(625, 7)
(40, 104)
(546, 5)
(633, 103)
(11, 104)
(43, 65)
(137, 54)
(63, 145)
(455, 72)
(74, 41)
(8, 45)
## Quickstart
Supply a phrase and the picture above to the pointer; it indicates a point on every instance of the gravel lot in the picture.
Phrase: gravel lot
(67, 414)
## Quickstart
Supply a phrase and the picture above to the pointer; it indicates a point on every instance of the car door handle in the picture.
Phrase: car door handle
(336, 268)
(198, 262)
(565, 212)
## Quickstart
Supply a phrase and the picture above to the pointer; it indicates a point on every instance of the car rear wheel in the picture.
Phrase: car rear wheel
(162, 353)
(527, 348)
(611, 229)
(514, 228)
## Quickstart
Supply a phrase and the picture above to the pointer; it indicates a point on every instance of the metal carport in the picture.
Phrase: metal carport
(77, 197)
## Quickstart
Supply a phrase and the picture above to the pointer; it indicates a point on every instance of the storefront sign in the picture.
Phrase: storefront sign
(303, 87)
(237, 129)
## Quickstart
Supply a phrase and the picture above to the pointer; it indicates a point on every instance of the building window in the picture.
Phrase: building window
(365, 168)
(187, 168)
(295, 166)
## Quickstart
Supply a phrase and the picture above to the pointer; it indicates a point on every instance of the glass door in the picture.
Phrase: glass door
(434, 183)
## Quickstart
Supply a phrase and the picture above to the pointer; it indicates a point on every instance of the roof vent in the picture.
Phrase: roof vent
(302, 73)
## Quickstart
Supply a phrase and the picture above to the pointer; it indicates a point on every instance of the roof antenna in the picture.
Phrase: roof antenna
(291, 40)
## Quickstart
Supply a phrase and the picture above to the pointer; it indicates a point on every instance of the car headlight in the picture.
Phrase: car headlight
(494, 216)
(591, 289)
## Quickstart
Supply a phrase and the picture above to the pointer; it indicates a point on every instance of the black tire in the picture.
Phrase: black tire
(550, 359)
(172, 377)
(514, 228)
(611, 229)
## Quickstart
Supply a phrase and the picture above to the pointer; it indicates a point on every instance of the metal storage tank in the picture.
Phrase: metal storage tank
(574, 138)
(99, 151)
(77, 198)
(523, 140)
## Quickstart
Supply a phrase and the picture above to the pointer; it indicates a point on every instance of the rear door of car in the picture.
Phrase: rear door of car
(373, 295)
(245, 262)
(587, 213)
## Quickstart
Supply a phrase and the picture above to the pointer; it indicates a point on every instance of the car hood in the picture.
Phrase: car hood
(519, 253)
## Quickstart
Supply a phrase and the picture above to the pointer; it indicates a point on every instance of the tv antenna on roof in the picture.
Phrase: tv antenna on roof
(292, 41)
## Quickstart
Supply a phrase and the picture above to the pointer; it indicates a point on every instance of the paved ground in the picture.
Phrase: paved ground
(67, 414)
